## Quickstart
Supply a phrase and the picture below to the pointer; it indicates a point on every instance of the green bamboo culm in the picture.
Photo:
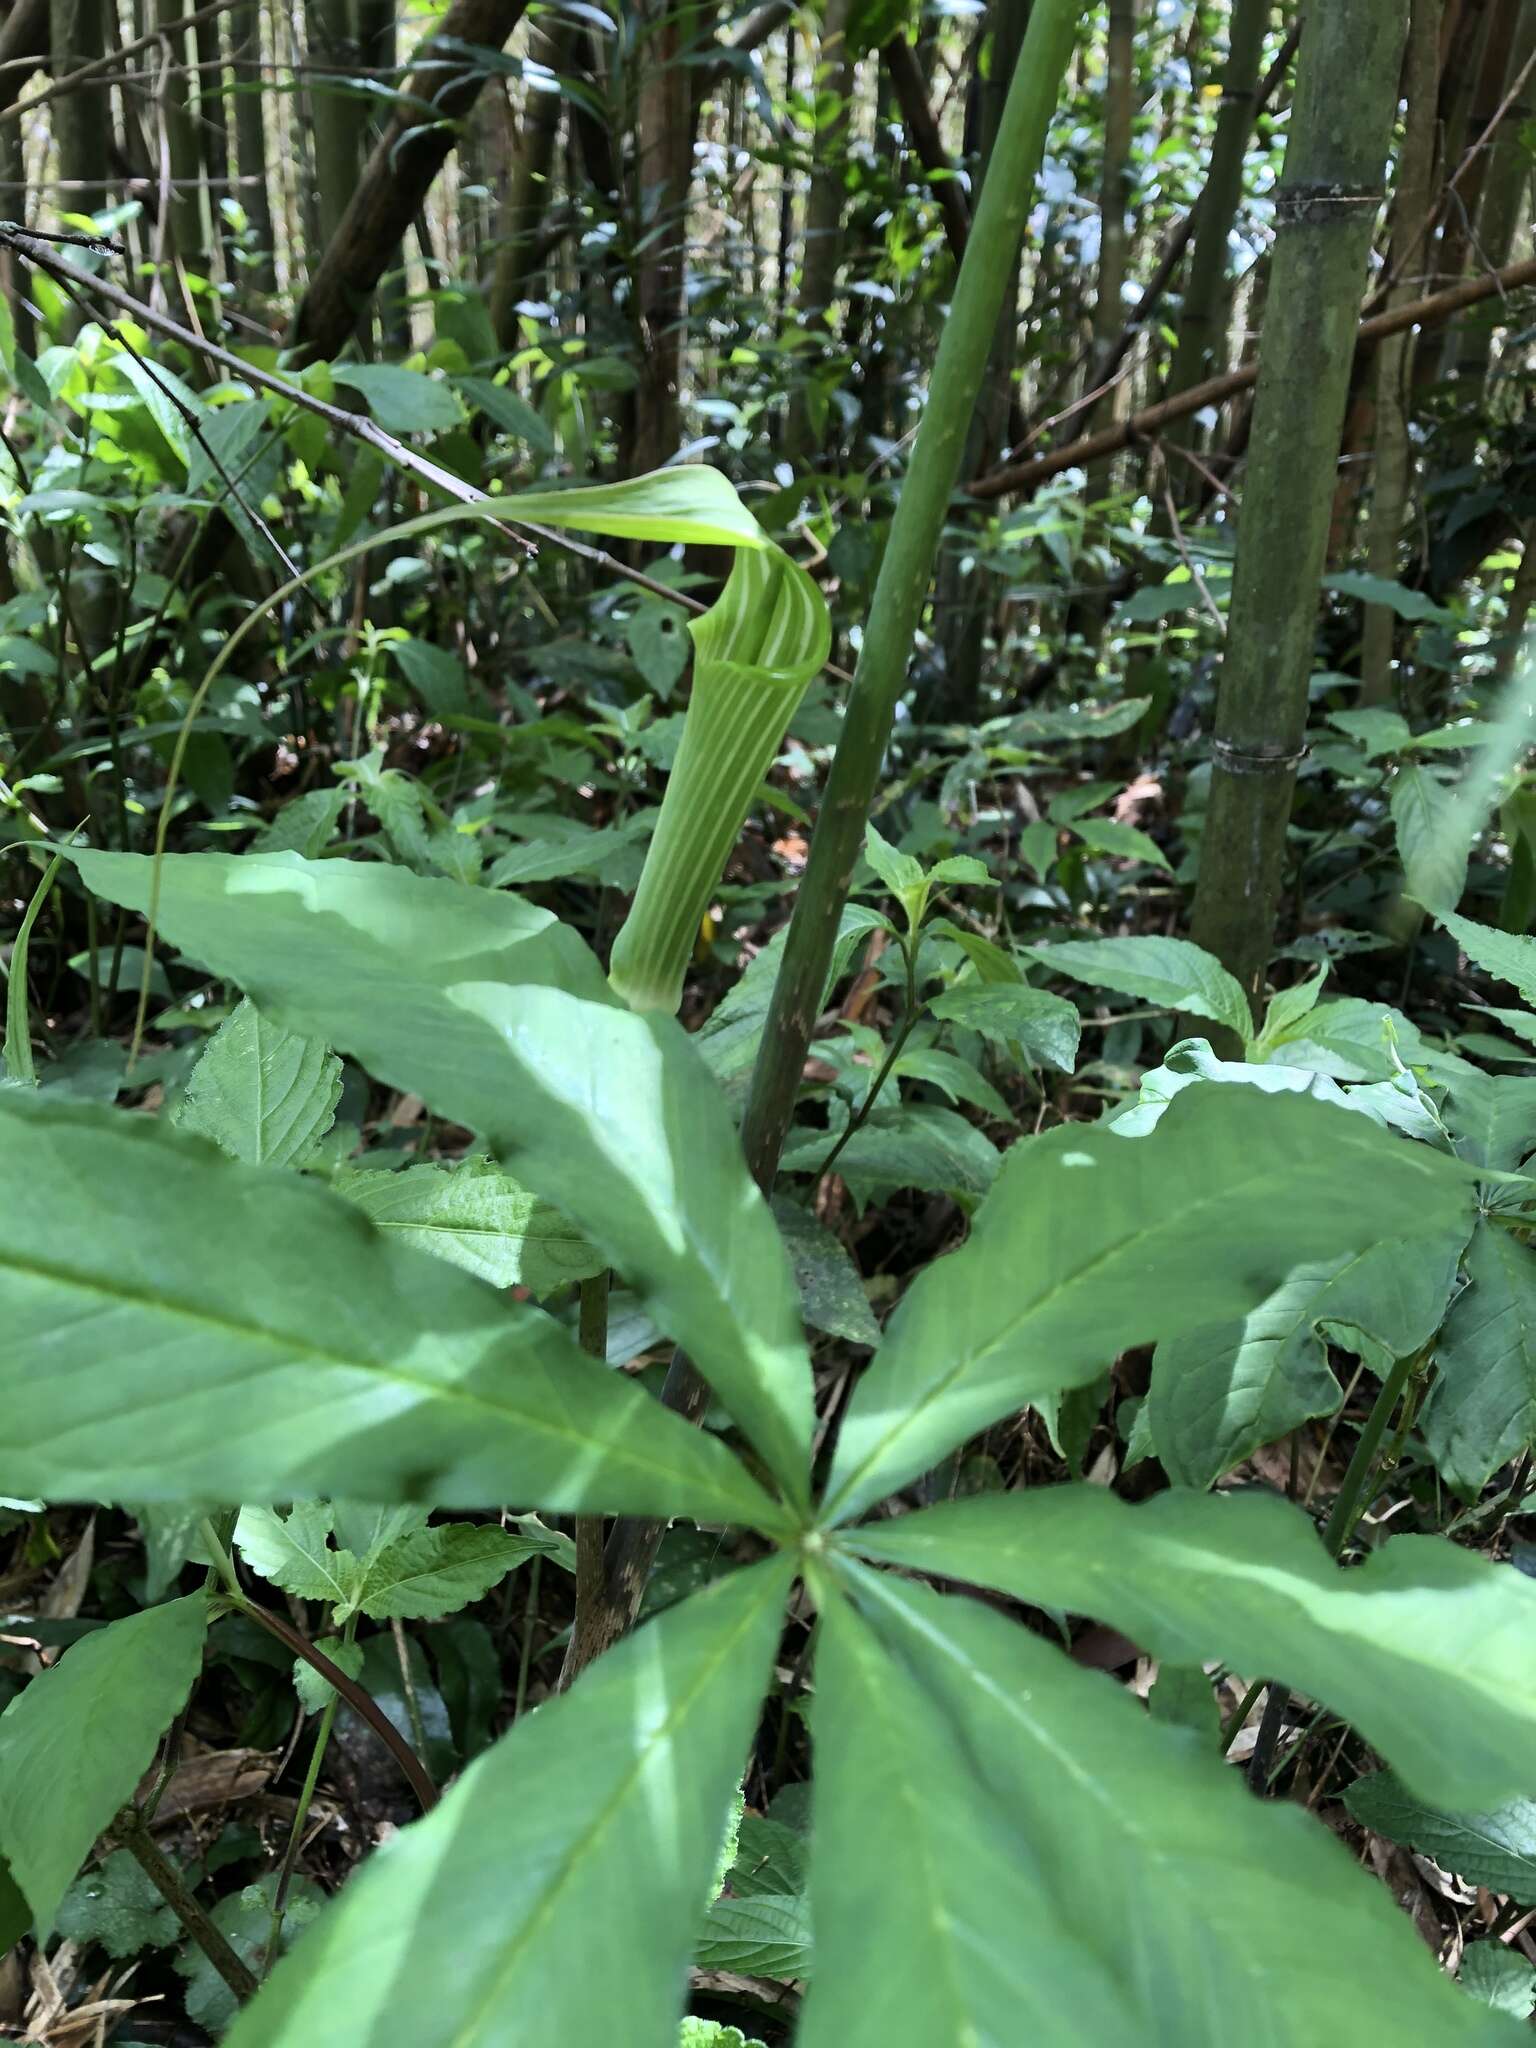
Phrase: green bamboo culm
(1007, 196)
(754, 652)
(1341, 132)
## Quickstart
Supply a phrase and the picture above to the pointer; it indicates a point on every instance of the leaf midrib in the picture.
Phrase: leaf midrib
(296, 1348)
(587, 1841)
(1127, 1245)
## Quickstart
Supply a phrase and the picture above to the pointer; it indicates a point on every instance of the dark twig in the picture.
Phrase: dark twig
(130, 1831)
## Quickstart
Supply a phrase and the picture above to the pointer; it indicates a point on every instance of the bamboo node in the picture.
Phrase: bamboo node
(1240, 761)
(1317, 205)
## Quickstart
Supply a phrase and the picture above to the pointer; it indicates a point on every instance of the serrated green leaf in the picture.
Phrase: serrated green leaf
(1498, 1976)
(699, 2033)
(962, 869)
(117, 1905)
(1217, 1394)
(900, 873)
(1092, 1242)
(1047, 1027)
(771, 1860)
(295, 1552)
(370, 1369)
(261, 1093)
(476, 1216)
(1496, 1849)
(75, 1742)
(1086, 1792)
(315, 1691)
(500, 1019)
(1507, 956)
(761, 1936)
(526, 1856)
(244, 1918)
(1492, 1118)
(1428, 1649)
(1172, 973)
(437, 1571)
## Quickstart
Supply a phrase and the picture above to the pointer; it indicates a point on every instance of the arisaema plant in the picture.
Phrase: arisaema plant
(182, 1325)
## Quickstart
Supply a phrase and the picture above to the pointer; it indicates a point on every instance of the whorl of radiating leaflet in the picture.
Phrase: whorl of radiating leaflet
(755, 650)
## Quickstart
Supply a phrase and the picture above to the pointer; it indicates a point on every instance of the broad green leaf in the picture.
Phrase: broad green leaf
(261, 1093)
(1217, 1394)
(477, 1217)
(954, 1077)
(1092, 1242)
(1432, 837)
(1496, 1849)
(1047, 1027)
(832, 1296)
(1205, 1901)
(1396, 597)
(1192, 1060)
(166, 399)
(1521, 1022)
(1173, 973)
(1120, 842)
(761, 1936)
(1352, 1040)
(76, 1741)
(729, 1039)
(1492, 1118)
(1288, 1006)
(600, 1813)
(901, 874)
(501, 404)
(499, 1019)
(437, 675)
(1377, 731)
(402, 401)
(917, 1145)
(699, 2033)
(771, 1860)
(174, 1325)
(1428, 1649)
(556, 859)
(1507, 956)
(1080, 722)
(685, 503)
(935, 1922)
(244, 1918)
(117, 1905)
(1482, 1408)
(437, 1571)
(1498, 1976)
